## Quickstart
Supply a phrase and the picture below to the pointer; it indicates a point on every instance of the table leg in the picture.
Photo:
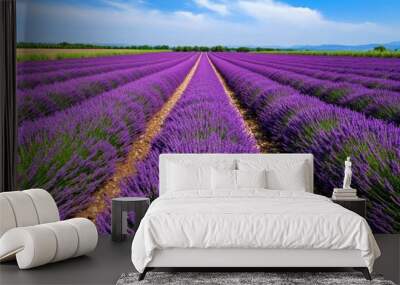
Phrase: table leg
(116, 219)
(124, 222)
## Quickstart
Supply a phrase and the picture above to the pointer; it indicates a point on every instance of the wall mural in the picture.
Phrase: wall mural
(94, 118)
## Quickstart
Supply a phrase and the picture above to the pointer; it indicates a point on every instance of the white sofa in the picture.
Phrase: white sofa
(31, 230)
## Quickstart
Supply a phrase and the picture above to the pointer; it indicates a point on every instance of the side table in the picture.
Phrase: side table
(119, 215)
(357, 205)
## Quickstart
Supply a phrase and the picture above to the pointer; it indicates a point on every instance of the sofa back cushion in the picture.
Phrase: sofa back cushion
(26, 208)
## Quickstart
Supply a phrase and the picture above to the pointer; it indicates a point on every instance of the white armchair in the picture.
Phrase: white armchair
(31, 230)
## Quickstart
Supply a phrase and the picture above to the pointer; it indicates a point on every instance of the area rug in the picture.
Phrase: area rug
(244, 278)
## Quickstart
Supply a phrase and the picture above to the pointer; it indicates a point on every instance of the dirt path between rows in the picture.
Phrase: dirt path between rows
(251, 124)
(139, 150)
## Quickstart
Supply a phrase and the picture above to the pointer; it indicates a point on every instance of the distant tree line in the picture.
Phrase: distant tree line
(380, 48)
(220, 48)
(66, 45)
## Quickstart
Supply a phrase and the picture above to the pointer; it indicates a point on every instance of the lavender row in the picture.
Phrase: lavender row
(73, 152)
(47, 99)
(29, 81)
(381, 104)
(300, 123)
(30, 67)
(203, 121)
(388, 65)
(310, 63)
(368, 82)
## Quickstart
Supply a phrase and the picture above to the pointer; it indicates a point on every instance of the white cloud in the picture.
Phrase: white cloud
(251, 23)
(190, 16)
(117, 4)
(273, 11)
(219, 8)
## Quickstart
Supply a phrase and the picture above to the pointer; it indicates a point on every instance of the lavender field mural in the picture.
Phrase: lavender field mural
(93, 120)
(75, 128)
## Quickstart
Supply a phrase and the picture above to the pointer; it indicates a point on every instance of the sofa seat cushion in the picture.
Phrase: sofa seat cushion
(40, 244)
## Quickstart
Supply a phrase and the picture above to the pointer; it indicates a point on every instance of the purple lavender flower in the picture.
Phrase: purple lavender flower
(378, 103)
(203, 121)
(299, 123)
(73, 152)
(47, 99)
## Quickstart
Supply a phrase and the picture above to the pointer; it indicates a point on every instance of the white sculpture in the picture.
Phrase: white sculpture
(347, 174)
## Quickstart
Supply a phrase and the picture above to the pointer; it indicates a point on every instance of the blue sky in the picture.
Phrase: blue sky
(209, 22)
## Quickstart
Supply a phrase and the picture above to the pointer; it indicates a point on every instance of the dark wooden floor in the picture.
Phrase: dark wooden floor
(111, 259)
